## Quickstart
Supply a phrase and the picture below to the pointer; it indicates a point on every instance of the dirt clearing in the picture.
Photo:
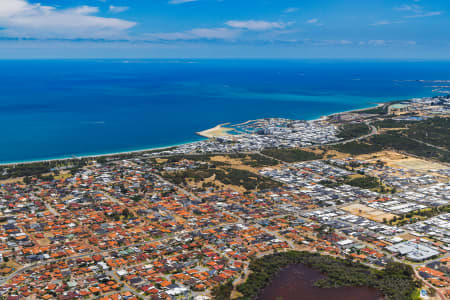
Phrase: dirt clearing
(368, 212)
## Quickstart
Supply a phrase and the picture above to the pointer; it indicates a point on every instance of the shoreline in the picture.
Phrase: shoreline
(73, 157)
(358, 110)
(162, 148)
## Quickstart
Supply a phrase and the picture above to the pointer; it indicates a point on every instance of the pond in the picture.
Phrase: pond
(296, 283)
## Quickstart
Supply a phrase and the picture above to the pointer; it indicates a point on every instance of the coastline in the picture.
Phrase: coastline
(358, 110)
(162, 148)
(65, 158)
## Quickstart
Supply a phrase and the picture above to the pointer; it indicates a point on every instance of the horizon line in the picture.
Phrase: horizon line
(230, 58)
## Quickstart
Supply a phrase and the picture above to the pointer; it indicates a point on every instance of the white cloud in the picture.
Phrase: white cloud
(376, 42)
(21, 19)
(426, 14)
(395, 43)
(382, 22)
(235, 29)
(290, 10)
(181, 1)
(195, 34)
(328, 42)
(118, 9)
(385, 22)
(407, 7)
(418, 11)
(214, 33)
(258, 25)
(314, 22)
(83, 10)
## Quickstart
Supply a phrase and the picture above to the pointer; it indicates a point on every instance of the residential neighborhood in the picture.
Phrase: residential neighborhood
(178, 223)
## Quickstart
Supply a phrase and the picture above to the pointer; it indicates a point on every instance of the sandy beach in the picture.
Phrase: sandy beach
(374, 105)
(94, 155)
(217, 131)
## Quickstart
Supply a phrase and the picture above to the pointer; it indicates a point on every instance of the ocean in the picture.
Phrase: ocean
(62, 108)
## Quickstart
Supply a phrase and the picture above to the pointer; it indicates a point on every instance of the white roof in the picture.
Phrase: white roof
(345, 242)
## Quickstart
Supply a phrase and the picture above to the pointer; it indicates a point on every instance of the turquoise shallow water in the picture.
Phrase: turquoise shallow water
(60, 108)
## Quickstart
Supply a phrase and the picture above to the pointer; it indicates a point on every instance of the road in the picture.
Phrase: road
(438, 292)
(373, 131)
(429, 145)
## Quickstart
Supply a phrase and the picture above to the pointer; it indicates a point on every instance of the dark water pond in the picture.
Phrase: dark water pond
(296, 283)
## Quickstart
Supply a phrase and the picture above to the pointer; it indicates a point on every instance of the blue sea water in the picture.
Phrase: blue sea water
(60, 108)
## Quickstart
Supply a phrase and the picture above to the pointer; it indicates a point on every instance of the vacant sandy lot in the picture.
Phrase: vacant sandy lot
(217, 183)
(385, 156)
(235, 162)
(368, 212)
(418, 164)
(398, 160)
(11, 180)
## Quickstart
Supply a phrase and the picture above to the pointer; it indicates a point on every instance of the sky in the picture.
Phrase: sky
(331, 29)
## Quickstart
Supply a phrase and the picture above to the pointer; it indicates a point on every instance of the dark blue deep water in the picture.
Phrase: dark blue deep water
(60, 108)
